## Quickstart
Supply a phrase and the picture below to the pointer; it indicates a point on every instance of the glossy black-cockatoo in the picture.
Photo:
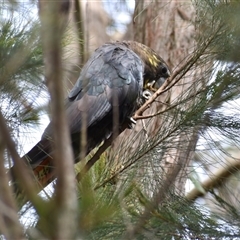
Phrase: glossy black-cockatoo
(109, 89)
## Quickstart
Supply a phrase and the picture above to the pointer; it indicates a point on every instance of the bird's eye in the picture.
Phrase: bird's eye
(164, 70)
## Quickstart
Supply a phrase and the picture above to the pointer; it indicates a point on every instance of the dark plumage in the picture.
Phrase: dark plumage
(109, 88)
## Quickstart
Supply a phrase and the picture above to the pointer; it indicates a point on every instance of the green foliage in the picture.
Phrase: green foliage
(224, 16)
(175, 218)
(21, 70)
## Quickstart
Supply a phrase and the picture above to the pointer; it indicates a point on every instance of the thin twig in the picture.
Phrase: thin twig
(94, 159)
(98, 154)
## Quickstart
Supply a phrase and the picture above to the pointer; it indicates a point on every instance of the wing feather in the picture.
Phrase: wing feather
(114, 71)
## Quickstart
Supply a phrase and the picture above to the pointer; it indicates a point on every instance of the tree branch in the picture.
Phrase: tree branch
(20, 169)
(9, 223)
(52, 19)
(218, 179)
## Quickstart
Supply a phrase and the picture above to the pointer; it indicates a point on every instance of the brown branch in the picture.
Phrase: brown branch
(20, 170)
(99, 152)
(218, 179)
(94, 159)
(64, 223)
(9, 226)
(165, 87)
(168, 84)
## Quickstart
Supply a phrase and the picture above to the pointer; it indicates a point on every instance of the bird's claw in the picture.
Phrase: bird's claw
(146, 94)
(131, 123)
(150, 86)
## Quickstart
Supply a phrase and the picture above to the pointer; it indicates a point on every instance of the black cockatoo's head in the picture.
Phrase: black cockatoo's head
(156, 70)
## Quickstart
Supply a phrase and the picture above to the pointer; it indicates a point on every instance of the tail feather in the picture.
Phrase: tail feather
(44, 172)
(40, 164)
(39, 152)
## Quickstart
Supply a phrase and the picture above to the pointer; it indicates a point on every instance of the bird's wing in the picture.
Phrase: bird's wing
(113, 76)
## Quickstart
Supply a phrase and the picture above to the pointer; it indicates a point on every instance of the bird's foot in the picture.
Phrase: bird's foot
(131, 123)
(146, 94)
(151, 87)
